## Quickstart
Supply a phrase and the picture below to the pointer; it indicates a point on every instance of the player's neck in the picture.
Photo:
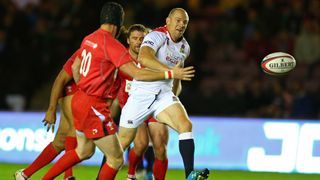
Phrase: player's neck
(110, 28)
(133, 54)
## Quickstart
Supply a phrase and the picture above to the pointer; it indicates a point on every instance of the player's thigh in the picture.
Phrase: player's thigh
(141, 139)
(159, 133)
(66, 115)
(64, 128)
(126, 136)
(136, 110)
(85, 146)
(176, 117)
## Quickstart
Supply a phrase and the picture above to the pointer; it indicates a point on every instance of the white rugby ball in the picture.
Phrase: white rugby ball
(278, 63)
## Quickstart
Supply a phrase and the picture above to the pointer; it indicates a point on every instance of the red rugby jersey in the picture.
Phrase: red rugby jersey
(101, 55)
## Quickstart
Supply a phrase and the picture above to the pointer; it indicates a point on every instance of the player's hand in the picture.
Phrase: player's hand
(49, 120)
(185, 74)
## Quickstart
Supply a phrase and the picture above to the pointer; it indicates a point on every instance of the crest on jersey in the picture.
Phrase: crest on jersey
(182, 49)
(110, 125)
(94, 131)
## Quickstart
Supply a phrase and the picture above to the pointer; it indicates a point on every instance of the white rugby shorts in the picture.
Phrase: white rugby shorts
(141, 104)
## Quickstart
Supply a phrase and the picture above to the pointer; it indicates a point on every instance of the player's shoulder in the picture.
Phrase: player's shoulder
(155, 37)
(159, 32)
(91, 40)
(162, 29)
(185, 42)
(101, 37)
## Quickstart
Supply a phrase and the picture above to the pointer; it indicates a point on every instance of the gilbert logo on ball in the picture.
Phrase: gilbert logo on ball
(278, 63)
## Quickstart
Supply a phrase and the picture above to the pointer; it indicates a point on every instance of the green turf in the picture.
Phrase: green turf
(90, 172)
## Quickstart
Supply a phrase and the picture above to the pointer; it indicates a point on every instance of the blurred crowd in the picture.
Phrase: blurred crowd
(228, 40)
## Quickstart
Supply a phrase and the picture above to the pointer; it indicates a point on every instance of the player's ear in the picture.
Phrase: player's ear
(128, 41)
(167, 20)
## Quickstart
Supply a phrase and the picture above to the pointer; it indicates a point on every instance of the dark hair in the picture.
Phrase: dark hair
(136, 27)
(122, 37)
(112, 13)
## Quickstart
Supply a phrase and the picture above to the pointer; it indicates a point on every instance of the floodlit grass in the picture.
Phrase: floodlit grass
(90, 172)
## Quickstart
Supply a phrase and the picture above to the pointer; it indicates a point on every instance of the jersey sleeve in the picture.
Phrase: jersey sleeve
(68, 64)
(154, 40)
(188, 50)
(118, 54)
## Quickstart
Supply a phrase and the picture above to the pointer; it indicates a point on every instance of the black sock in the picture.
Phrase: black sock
(102, 163)
(140, 166)
(149, 156)
(186, 148)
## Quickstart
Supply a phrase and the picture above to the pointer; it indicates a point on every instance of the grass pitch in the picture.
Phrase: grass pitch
(90, 172)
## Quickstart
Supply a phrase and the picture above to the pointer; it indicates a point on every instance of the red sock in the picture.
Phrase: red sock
(160, 169)
(68, 160)
(70, 144)
(107, 173)
(45, 157)
(134, 160)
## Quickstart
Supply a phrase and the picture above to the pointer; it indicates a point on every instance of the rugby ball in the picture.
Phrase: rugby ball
(278, 63)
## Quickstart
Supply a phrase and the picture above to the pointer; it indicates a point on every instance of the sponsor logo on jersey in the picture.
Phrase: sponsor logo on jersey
(91, 44)
(174, 59)
(130, 122)
(148, 42)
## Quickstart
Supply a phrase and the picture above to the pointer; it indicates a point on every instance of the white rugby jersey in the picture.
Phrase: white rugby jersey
(168, 52)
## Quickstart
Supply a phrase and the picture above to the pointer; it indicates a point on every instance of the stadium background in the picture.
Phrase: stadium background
(228, 39)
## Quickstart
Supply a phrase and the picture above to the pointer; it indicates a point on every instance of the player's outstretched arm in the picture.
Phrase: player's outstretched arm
(132, 70)
(56, 92)
(147, 58)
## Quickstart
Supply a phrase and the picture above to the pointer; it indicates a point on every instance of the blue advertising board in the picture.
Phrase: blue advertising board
(271, 145)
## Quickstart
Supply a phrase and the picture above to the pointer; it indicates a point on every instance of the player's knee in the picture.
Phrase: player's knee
(84, 153)
(116, 162)
(58, 144)
(161, 154)
(160, 151)
(185, 127)
(119, 162)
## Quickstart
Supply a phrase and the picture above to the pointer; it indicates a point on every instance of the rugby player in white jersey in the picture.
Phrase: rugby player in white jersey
(161, 50)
